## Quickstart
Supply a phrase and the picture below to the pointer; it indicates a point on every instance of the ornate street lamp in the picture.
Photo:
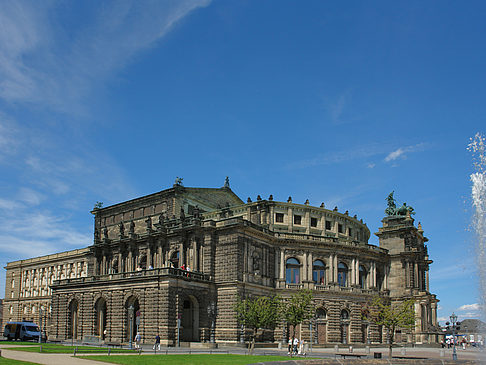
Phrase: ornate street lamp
(130, 324)
(40, 324)
(212, 312)
(454, 323)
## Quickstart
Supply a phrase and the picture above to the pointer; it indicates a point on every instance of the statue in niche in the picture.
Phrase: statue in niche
(196, 212)
(121, 228)
(105, 233)
(161, 219)
(256, 262)
(148, 222)
(96, 234)
(131, 229)
(183, 214)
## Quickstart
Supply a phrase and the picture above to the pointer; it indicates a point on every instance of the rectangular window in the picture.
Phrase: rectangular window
(328, 225)
(297, 219)
(350, 232)
(279, 217)
(340, 228)
(313, 222)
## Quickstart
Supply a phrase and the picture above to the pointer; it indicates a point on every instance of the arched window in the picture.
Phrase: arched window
(344, 315)
(321, 314)
(362, 277)
(174, 259)
(342, 274)
(293, 271)
(319, 272)
(100, 316)
(344, 326)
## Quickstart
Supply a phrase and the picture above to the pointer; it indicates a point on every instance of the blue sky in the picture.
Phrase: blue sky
(328, 101)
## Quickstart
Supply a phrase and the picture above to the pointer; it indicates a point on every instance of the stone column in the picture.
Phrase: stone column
(385, 278)
(357, 272)
(95, 271)
(330, 277)
(120, 262)
(271, 219)
(103, 267)
(416, 275)
(276, 263)
(149, 256)
(427, 279)
(182, 254)
(374, 274)
(282, 265)
(307, 222)
(311, 264)
(305, 268)
(130, 261)
(290, 214)
(352, 277)
(194, 254)
(335, 268)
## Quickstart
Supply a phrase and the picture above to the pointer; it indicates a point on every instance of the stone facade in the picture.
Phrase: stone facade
(186, 254)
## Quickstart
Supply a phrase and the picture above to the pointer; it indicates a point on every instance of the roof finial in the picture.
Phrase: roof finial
(226, 182)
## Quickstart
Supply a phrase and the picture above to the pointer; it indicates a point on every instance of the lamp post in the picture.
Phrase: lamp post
(130, 325)
(40, 324)
(453, 318)
(212, 312)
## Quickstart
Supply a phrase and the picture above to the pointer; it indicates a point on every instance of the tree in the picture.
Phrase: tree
(390, 315)
(257, 313)
(297, 309)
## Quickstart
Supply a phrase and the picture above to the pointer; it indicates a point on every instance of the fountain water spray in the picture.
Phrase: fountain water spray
(478, 194)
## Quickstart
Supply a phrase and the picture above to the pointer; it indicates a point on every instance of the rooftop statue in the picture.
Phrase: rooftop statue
(392, 209)
(178, 181)
(226, 182)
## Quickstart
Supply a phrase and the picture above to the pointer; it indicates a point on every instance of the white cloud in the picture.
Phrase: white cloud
(371, 165)
(31, 196)
(41, 64)
(402, 151)
(469, 307)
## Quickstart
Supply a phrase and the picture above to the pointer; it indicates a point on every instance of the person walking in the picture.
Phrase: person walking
(157, 342)
(138, 340)
(296, 345)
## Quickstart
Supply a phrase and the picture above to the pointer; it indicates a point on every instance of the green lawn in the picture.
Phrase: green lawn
(19, 343)
(4, 361)
(51, 348)
(205, 359)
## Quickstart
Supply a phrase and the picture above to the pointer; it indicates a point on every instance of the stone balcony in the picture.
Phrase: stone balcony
(330, 288)
(168, 272)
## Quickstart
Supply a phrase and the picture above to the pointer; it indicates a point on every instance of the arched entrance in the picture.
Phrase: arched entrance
(73, 311)
(132, 307)
(321, 324)
(190, 320)
(100, 318)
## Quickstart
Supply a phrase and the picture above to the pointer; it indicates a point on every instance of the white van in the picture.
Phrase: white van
(23, 331)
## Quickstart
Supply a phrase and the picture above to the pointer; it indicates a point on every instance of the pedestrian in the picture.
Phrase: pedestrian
(301, 347)
(138, 339)
(104, 334)
(290, 345)
(296, 344)
(157, 342)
